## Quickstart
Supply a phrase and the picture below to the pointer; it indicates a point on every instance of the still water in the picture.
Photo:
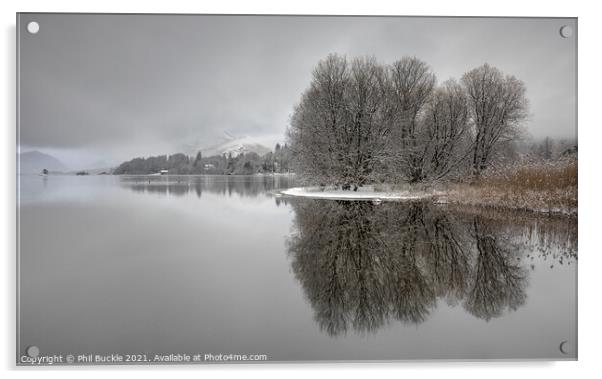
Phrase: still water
(219, 265)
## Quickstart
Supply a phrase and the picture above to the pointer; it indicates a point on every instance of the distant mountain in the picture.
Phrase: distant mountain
(230, 144)
(33, 162)
(237, 146)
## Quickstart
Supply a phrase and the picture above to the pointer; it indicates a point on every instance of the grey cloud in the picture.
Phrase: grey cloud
(142, 84)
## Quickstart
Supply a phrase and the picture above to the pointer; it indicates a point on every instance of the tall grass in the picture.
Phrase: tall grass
(540, 186)
(536, 177)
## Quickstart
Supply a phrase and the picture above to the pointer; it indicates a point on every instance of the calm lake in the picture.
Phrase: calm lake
(218, 264)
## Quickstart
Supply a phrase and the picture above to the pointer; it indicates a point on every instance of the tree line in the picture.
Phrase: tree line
(277, 161)
(361, 121)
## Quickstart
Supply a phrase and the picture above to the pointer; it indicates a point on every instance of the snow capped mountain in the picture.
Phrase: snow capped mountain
(230, 144)
(236, 147)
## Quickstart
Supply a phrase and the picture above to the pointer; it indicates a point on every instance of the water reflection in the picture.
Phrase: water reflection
(363, 265)
(244, 186)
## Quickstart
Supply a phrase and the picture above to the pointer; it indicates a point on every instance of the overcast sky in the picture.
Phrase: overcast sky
(113, 87)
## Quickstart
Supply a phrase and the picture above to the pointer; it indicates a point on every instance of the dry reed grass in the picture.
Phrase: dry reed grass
(545, 186)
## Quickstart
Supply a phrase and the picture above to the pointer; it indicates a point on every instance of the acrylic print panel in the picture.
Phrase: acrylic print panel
(202, 188)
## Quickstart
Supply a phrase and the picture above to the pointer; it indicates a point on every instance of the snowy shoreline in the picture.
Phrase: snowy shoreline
(438, 197)
(363, 193)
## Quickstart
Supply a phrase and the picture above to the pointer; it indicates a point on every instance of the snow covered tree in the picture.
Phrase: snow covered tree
(498, 106)
(337, 132)
(446, 130)
(411, 83)
(360, 122)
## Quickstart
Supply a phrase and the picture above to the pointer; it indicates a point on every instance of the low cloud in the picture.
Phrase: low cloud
(119, 86)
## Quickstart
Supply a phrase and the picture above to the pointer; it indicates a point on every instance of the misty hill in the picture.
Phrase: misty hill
(33, 162)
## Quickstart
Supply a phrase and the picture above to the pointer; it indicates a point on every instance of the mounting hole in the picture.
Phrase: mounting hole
(565, 347)
(33, 27)
(566, 31)
(32, 351)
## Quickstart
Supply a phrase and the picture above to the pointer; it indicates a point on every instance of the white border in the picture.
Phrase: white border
(589, 166)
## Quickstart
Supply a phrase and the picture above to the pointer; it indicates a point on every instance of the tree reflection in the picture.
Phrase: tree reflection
(412, 294)
(447, 257)
(497, 281)
(181, 185)
(338, 256)
(363, 265)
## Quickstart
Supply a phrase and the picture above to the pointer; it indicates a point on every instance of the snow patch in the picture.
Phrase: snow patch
(363, 193)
